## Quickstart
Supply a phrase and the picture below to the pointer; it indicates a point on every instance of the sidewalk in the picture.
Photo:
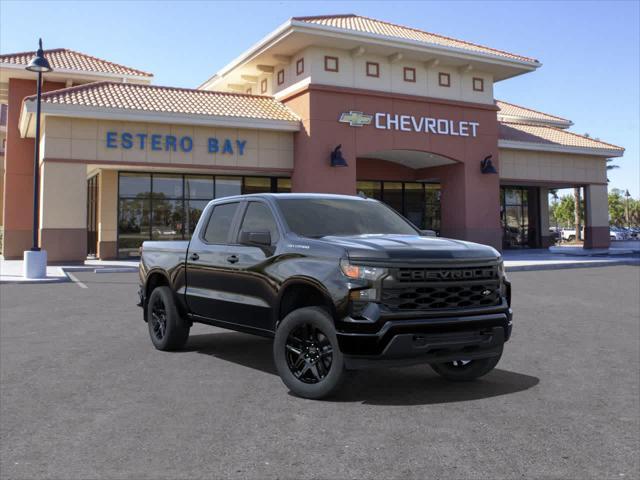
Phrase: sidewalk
(515, 260)
(11, 270)
(544, 259)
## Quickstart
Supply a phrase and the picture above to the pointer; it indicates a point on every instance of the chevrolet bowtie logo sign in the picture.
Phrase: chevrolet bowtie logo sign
(355, 119)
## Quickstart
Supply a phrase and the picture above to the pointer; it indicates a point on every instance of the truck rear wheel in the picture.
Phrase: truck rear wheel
(167, 329)
(306, 353)
(465, 370)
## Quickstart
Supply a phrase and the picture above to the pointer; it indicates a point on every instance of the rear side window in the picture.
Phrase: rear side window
(220, 223)
(259, 218)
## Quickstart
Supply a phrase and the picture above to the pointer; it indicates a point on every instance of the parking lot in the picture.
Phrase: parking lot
(85, 395)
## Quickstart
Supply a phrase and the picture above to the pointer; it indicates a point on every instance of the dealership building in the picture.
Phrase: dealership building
(341, 104)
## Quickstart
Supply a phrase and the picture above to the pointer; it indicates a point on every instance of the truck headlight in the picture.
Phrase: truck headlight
(501, 271)
(361, 272)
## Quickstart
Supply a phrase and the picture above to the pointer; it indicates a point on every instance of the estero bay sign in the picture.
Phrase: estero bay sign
(411, 123)
(171, 143)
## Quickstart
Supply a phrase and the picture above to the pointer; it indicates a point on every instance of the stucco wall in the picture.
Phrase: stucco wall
(352, 73)
(85, 140)
(551, 167)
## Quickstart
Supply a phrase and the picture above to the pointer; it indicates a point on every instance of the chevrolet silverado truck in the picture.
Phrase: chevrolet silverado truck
(339, 282)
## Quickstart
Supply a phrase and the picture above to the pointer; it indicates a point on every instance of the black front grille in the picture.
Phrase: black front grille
(446, 274)
(483, 294)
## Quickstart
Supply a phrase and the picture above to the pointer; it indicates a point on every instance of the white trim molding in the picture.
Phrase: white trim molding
(127, 115)
(553, 147)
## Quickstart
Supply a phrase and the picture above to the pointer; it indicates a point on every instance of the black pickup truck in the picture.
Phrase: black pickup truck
(340, 283)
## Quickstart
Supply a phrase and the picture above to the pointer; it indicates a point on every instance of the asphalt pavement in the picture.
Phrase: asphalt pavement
(84, 395)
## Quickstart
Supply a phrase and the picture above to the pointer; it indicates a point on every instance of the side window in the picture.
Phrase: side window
(220, 223)
(258, 218)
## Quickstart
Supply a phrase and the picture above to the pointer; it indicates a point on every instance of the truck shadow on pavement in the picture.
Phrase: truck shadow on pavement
(416, 385)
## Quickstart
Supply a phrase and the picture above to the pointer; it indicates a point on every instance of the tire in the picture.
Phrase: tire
(571, 238)
(468, 371)
(307, 355)
(167, 329)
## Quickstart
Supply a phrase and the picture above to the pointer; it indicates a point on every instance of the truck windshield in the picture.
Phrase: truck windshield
(320, 217)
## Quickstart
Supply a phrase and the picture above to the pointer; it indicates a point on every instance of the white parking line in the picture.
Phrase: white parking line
(75, 280)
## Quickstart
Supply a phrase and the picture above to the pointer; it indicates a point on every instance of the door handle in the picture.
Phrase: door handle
(194, 257)
(232, 259)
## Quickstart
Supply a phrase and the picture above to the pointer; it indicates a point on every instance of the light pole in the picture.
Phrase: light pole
(626, 208)
(35, 260)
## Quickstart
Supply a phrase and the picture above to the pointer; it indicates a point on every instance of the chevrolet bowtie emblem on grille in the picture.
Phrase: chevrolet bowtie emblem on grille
(355, 119)
(486, 292)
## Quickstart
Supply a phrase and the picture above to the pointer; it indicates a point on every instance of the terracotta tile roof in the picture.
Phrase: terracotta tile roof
(513, 110)
(65, 59)
(517, 132)
(370, 25)
(152, 98)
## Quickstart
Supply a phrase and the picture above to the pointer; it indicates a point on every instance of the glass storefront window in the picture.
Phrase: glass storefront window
(370, 189)
(168, 206)
(168, 219)
(256, 185)
(419, 202)
(133, 225)
(228, 186)
(199, 187)
(414, 204)
(135, 185)
(283, 185)
(392, 195)
(167, 186)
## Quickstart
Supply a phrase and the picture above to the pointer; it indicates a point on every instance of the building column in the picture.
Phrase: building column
(312, 170)
(107, 214)
(596, 217)
(470, 204)
(63, 211)
(18, 173)
(546, 240)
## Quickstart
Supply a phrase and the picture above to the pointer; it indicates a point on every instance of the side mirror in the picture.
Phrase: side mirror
(260, 239)
(428, 233)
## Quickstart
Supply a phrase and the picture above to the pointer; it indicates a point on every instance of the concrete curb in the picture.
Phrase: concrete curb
(566, 266)
(115, 270)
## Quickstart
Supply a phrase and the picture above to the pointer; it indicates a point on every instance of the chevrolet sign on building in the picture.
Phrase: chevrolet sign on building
(412, 114)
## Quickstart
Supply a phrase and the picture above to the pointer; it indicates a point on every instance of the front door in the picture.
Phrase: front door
(251, 285)
(92, 216)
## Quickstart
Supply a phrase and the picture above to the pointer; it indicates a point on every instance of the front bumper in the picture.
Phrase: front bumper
(427, 340)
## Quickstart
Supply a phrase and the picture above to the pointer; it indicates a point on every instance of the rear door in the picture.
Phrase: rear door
(210, 262)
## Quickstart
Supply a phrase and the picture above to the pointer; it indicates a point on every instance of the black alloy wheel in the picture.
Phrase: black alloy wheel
(158, 318)
(167, 329)
(309, 353)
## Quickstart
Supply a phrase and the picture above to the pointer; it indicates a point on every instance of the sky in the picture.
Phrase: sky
(590, 51)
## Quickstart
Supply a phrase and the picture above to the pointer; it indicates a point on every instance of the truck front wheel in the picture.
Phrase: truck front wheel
(465, 370)
(306, 353)
(167, 329)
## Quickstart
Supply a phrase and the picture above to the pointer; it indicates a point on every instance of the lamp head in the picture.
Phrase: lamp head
(337, 160)
(486, 166)
(39, 62)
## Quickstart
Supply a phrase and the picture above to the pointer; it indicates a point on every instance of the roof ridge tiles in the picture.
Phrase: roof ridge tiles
(532, 110)
(91, 85)
(561, 130)
(477, 45)
(137, 71)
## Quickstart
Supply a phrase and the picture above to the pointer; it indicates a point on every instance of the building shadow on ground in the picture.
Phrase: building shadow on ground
(415, 385)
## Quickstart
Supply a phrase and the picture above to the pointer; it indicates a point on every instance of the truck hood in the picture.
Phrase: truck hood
(410, 248)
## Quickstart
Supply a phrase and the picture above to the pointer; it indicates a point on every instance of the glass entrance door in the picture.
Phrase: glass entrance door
(92, 216)
(519, 217)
